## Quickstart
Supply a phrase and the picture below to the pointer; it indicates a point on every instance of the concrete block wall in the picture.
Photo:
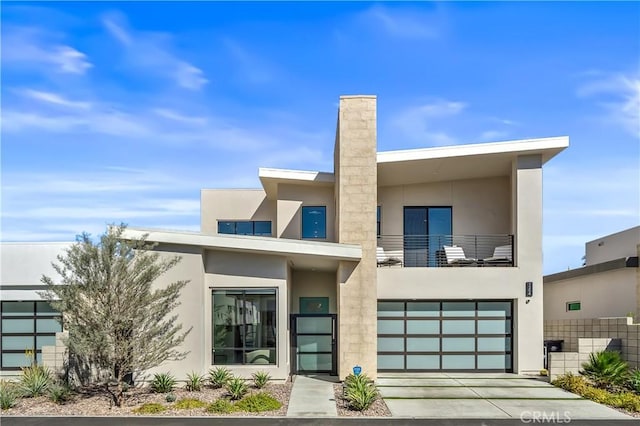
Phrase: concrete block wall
(572, 331)
(55, 357)
(571, 362)
(356, 197)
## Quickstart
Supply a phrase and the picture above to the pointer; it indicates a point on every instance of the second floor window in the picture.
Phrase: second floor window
(246, 227)
(314, 222)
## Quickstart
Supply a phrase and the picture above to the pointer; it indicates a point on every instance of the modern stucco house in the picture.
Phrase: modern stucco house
(414, 260)
(608, 285)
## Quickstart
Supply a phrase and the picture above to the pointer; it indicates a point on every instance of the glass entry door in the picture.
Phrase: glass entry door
(314, 342)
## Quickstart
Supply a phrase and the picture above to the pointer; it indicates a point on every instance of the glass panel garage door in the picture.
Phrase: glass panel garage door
(445, 335)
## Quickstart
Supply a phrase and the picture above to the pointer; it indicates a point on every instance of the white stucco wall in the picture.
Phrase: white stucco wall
(234, 204)
(313, 284)
(484, 206)
(605, 294)
(479, 206)
(22, 266)
(191, 311)
(241, 270)
(614, 246)
(291, 199)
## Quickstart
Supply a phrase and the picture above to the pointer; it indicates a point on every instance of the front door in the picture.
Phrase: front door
(314, 343)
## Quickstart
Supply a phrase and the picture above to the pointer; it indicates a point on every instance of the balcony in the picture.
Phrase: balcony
(437, 251)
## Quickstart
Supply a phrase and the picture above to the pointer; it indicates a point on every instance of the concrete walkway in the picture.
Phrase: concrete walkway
(484, 396)
(312, 396)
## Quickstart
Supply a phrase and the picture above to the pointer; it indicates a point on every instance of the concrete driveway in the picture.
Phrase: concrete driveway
(485, 396)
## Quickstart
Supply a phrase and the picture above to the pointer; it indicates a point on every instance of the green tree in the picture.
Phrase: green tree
(118, 322)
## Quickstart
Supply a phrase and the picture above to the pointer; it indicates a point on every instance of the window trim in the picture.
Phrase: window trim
(302, 216)
(35, 334)
(253, 227)
(571, 308)
(277, 325)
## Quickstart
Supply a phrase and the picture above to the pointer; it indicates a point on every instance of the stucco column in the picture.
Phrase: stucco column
(529, 328)
(356, 199)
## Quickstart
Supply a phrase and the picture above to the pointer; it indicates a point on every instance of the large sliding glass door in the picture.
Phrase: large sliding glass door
(426, 230)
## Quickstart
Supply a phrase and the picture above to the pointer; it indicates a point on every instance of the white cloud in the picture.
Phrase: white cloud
(70, 60)
(176, 116)
(150, 53)
(253, 69)
(37, 48)
(584, 202)
(59, 205)
(419, 123)
(190, 77)
(404, 22)
(493, 135)
(56, 99)
(619, 95)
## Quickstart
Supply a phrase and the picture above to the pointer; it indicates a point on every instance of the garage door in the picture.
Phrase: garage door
(445, 335)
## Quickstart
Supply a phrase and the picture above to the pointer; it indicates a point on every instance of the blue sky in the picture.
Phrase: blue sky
(123, 111)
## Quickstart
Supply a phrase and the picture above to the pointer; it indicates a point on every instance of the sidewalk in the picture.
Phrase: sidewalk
(312, 396)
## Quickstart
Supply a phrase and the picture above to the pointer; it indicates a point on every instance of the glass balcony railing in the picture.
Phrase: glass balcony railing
(436, 251)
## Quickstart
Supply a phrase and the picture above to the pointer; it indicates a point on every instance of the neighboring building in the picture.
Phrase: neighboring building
(607, 286)
(28, 323)
(415, 260)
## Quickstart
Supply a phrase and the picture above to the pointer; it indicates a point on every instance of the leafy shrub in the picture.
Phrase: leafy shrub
(360, 392)
(35, 381)
(577, 384)
(189, 404)
(8, 394)
(633, 380)
(260, 379)
(163, 383)
(571, 383)
(195, 382)
(59, 393)
(605, 369)
(221, 406)
(219, 377)
(627, 400)
(171, 397)
(237, 388)
(601, 396)
(261, 401)
(150, 408)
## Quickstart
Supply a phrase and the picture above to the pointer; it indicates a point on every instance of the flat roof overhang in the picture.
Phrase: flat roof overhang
(460, 162)
(300, 254)
(271, 178)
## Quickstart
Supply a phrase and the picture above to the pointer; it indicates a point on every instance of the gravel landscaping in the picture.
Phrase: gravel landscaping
(377, 409)
(95, 402)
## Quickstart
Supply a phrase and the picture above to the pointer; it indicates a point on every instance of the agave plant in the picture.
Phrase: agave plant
(237, 388)
(219, 377)
(195, 381)
(163, 383)
(605, 369)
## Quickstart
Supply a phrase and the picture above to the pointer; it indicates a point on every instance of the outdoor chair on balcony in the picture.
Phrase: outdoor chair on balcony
(502, 255)
(386, 260)
(456, 257)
